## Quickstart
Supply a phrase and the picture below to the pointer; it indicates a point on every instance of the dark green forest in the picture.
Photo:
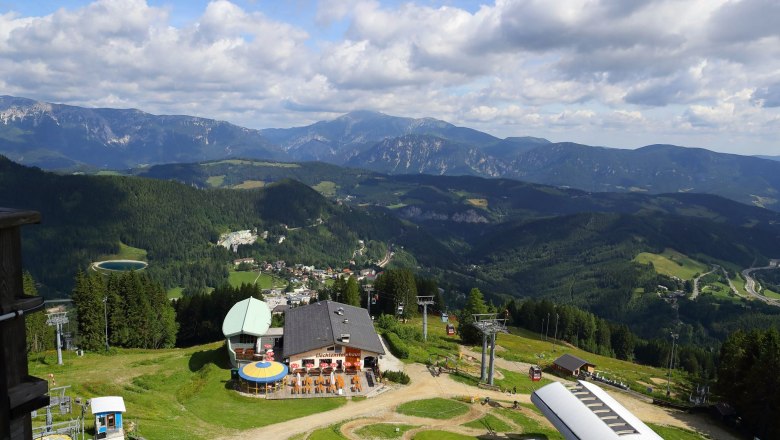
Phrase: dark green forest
(130, 309)
(508, 239)
(85, 217)
(748, 379)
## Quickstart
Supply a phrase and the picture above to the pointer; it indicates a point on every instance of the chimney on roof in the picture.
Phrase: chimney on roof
(344, 337)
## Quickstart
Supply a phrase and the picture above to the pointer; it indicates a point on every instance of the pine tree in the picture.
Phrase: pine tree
(352, 292)
(39, 335)
(88, 295)
(475, 304)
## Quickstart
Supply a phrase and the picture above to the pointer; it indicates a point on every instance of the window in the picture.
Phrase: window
(338, 349)
(247, 339)
(331, 348)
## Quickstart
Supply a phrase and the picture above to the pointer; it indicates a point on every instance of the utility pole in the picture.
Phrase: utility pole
(547, 330)
(488, 324)
(671, 364)
(541, 331)
(425, 301)
(105, 317)
(368, 288)
(555, 337)
(57, 319)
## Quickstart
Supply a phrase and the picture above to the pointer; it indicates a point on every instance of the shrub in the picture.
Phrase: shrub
(387, 322)
(407, 333)
(397, 346)
(397, 377)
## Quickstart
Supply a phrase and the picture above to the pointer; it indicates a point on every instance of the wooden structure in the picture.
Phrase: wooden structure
(573, 365)
(20, 393)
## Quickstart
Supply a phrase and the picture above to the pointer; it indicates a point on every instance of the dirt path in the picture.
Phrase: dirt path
(381, 409)
(644, 410)
(424, 387)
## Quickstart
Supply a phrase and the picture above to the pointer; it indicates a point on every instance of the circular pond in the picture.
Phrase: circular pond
(120, 265)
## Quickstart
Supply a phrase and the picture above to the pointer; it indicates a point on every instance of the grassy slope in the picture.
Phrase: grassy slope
(672, 263)
(265, 281)
(526, 346)
(173, 394)
(126, 253)
(182, 393)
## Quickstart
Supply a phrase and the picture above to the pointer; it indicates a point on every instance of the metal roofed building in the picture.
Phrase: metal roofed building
(332, 333)
(573, 365)
(247, 330)
(586, 412)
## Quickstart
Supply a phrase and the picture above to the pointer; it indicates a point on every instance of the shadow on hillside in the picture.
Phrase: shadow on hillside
(217, 356)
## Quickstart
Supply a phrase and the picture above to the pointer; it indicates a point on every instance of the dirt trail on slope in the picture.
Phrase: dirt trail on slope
(381, 409)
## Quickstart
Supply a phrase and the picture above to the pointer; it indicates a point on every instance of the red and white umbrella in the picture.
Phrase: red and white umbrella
(293, 365)
(323, 364)
(333, 365)
(347, 364)
(267, 346)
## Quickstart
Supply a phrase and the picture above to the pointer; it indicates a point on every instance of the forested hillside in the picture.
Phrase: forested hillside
(86, 217)
(510, 239)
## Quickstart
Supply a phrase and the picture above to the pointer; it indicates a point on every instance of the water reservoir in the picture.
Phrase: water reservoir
(120, 265)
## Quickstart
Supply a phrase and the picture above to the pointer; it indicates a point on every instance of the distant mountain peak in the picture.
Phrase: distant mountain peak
(362, 114)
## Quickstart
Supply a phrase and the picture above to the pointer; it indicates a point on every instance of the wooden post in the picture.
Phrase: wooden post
(19, 392)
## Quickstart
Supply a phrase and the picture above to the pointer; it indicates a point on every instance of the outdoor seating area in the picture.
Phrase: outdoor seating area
(262, 377)
(315, 382)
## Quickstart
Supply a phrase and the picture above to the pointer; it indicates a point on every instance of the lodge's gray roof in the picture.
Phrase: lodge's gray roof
(320, 325)
(570, 362)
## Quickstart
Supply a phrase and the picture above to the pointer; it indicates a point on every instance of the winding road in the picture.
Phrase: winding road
(750, 285)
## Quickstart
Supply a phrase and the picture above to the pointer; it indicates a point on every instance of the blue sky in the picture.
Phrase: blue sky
(699, 73)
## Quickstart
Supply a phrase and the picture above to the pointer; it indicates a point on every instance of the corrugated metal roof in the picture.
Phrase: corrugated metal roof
(570, 362)
(586, 412)
(250, 317)
(320, 325)
(107, 404)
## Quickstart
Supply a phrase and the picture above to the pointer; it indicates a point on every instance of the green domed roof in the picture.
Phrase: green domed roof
(250, 317)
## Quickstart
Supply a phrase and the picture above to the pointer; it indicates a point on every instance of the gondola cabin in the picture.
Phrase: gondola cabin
(450, 329)
(535, 373)
(108, 416)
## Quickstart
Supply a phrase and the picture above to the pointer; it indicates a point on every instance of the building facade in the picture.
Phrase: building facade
(333, 333)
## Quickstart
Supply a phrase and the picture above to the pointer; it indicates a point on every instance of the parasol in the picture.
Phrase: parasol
(263, 372)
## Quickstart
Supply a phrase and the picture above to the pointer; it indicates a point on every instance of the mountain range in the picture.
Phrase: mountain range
(55, 136)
